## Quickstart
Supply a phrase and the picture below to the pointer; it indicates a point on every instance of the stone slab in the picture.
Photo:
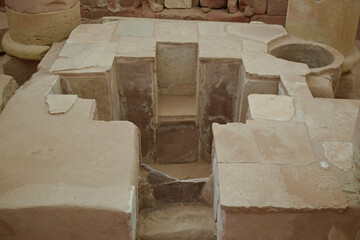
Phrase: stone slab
(178, 3)
(271, 107)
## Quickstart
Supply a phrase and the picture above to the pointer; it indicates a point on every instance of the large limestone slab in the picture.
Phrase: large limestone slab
(263, 141)
(329, 119)
(264, 187)
(257, 31)
(92, 33)
(219, 47)
(176, 31)
(135, 28)
(64, 177)
(294, 86)
(136, 47)
(272, 107)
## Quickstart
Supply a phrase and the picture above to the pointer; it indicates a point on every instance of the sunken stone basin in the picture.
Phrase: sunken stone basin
(312, 55)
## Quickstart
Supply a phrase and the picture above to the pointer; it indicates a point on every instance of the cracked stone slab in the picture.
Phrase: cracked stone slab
(295, 86)
(339, 153)
(257, 186)
(258, 31)
(60, 103)
(271, 107)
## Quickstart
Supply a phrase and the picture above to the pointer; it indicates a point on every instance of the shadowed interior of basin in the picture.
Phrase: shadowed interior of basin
(313, 56)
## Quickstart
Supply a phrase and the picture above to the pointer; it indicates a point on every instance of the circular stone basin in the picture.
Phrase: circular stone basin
(312, 55)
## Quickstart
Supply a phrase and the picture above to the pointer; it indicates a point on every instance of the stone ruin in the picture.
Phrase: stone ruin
(144, 128)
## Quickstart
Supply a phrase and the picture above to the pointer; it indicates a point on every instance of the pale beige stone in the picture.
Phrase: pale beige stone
(176, 31)
(217, 47)
(272, 107)
(253, 46)
(262, 64)
(156, 7)
(282, 142)
(339, 153)
(295, 86)
(176, 108)
(212, 29)
(178, 3)
(257, 31)
(134, 28)
(92, 33)
(8, 87)
(261, 186)
(65, 181)
(98, 56)
(136, 47)
(60, 103)
(320, 86)
(235, 143)
(325, 118)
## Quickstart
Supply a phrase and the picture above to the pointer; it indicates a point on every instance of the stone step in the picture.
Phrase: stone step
(183, 222)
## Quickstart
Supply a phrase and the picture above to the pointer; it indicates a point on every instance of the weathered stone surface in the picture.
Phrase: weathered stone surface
(185, 14)
(181, 34)
(178, 3)
(232, 6)
(339, 153)
(223, 15)
(176, 68)
(95, 87)
(177, 143)
(280, 20)
(8, 87)
(20, 69)
(187, 222)
(213, 3)
(295, 86)
(322, 124)
(156, 7)
(258, 6)
(219, 99)
(277, 7)
(272, 107)
(60, 103)
(136, 101)
(248, 12)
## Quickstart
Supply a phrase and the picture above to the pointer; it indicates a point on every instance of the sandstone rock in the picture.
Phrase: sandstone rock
(205, 9)
(248, 12)
(20, 69)
(207, 194)
(259, 6)
(222, 15)
(280, 20)
(185, 14)
(195, 3)
(232, 6)
(162, 2)
(213, 3)
(156, 7)
(178, 3)
(277, 7)
(8, 87)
